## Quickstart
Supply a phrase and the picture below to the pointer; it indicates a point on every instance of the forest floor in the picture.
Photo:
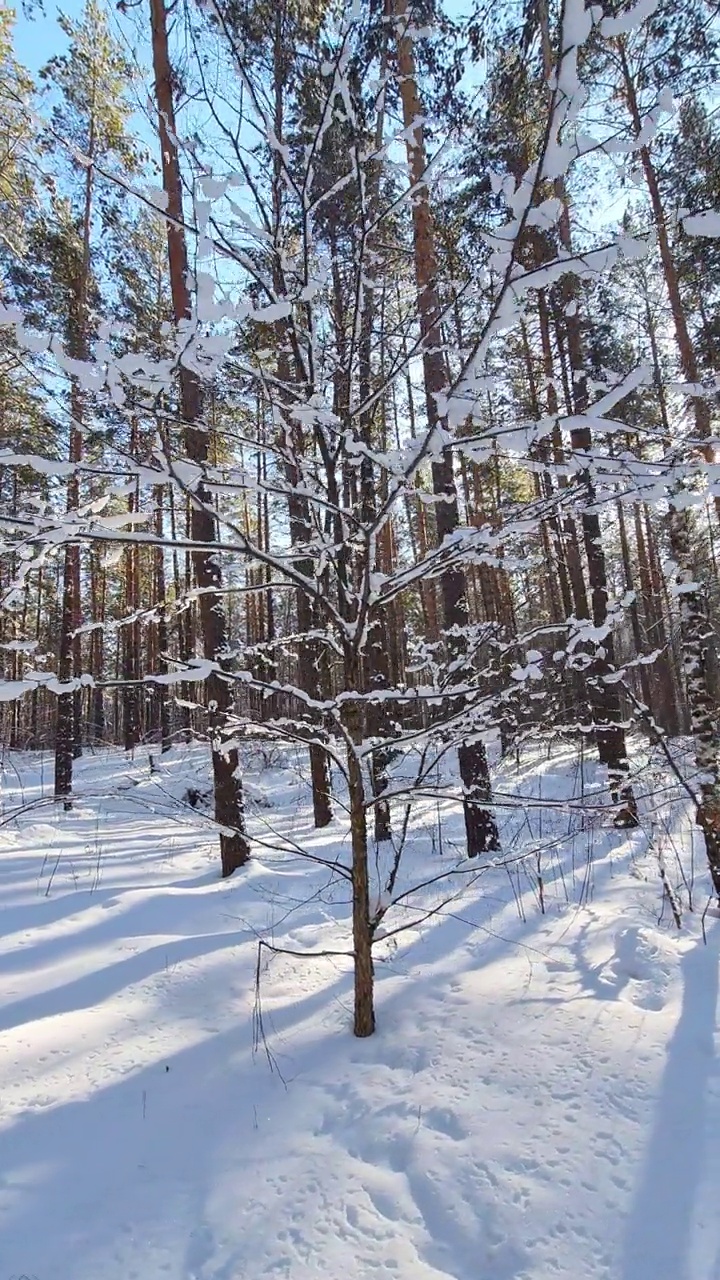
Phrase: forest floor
(541, 1098)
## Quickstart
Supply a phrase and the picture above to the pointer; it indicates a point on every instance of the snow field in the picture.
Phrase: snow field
(541, 1098)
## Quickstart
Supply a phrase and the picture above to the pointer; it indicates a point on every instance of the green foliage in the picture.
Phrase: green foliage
(16, 140)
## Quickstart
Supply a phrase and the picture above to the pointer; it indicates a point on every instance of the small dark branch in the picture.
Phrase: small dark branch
(259, 1035)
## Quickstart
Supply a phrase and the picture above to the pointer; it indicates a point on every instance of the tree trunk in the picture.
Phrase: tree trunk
(68, 737)
(695, 628)
(65, 724)
(603, 696)
(131, 628)
(634, 612)
(480, 826)
(428, 593)
(364, 975)
(309, 654)
(229, 810)
(704, 720)
(550, 532)
(162, 638)
(97, 647)
(377, 655)
(686, 350)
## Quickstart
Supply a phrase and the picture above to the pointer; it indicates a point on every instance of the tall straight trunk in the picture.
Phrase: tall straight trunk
(229, 810)
(98, 585)
(418, 544)
(68, 733)
(603, 695)
(270, 662)
(77, 657)
(253, 605)
(685, 346)
(657, 597)
(572, 579)
(65, 724)
(498, 606)
(309, 654)
(662, 594)
(695, 629)
(550, 532)
(664, 677)
(310, 657)
(131, 629)
(116, 690)
(481, 828)
(428, 593)
(695, 632)
(34, 696)
(78, 345)
(467, 479)
(634, 612)
(267, 669)
(160, 627)
(181, 617)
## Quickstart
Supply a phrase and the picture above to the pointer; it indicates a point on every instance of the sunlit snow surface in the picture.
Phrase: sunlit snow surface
(541, 1099)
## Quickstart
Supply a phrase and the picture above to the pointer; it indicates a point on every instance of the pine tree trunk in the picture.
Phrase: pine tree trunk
(97, 647)
(686, 349)
(68, 738)
(664, 681)
(229, 810)
(704, 720)
(34, 696)
(603, 696)
(181, 618)
(131, 629)
(162, 638)
(64, 731)
(656, 594)
(550, 533)
(480, 826)
(428, 593)
(309, 655)
(308, 649)
(695, 628)
(634, 612)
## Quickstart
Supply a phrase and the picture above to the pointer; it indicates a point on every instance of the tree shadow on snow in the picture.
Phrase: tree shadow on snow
(129, 1170)
(119, 1170)
(658, 1232)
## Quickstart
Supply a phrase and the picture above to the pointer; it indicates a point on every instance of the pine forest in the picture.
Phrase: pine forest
(359, 639)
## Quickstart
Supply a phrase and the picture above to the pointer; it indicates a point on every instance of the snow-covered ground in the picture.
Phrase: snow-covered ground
(541, 1099)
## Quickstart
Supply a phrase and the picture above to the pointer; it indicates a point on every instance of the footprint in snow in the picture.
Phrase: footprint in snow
(637, 971)
(443, 1120)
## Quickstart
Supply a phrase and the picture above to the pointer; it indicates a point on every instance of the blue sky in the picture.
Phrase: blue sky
(39, 37)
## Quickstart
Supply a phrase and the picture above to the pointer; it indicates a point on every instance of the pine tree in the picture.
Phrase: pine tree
(229, 810)
(88, 128)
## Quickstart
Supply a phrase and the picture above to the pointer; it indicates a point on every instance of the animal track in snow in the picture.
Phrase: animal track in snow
(443, 1120)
